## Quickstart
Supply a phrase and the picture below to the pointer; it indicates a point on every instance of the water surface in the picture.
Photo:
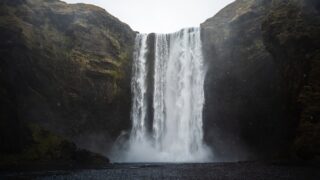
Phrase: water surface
(246, 171)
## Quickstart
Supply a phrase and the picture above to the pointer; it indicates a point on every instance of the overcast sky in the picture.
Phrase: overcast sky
(161, 16)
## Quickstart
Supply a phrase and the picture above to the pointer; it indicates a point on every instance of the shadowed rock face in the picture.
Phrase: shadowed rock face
(243, 115)
(291, 33)
(65, 67)
(262, 82)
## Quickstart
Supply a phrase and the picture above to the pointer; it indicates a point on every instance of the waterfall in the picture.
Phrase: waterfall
(139, 89)
(176, 134)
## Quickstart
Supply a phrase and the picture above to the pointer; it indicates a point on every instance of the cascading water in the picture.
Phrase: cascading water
(178, 98)
(139, 89)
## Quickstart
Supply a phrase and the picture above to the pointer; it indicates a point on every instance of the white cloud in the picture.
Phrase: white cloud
(160, 16)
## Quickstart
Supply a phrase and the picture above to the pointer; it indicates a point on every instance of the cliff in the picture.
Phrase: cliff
(291, 33)
(243, 118)
(65, 68)
(262, 83)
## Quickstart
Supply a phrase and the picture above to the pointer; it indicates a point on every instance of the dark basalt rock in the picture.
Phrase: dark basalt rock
(291, 33)
(66, 68)
(45, 150)
(262, 83)
(243, 115)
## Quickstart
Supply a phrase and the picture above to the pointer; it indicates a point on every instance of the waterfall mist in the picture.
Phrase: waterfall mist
(173, 132)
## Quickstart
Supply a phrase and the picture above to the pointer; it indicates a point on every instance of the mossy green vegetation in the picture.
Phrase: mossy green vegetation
(48, 149)
(65, 68)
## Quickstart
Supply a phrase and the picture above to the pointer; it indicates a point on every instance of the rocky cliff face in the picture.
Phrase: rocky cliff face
(291, 33)
(263, 77)
(244, 118)
(66, 68)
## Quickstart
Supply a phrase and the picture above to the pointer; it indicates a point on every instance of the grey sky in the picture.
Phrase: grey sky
(161, 16)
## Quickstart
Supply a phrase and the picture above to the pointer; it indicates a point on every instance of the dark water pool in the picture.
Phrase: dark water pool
(254, 171)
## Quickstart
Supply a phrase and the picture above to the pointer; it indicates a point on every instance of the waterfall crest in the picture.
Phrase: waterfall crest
(176, 133)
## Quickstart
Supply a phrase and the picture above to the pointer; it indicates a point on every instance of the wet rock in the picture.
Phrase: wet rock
(66, 68)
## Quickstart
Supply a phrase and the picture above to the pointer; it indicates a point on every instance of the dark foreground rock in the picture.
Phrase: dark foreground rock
(46, 151)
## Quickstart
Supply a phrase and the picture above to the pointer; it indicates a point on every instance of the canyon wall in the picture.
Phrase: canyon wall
(65, 68)
(243, 118)
(261, 86)
(291, 32)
